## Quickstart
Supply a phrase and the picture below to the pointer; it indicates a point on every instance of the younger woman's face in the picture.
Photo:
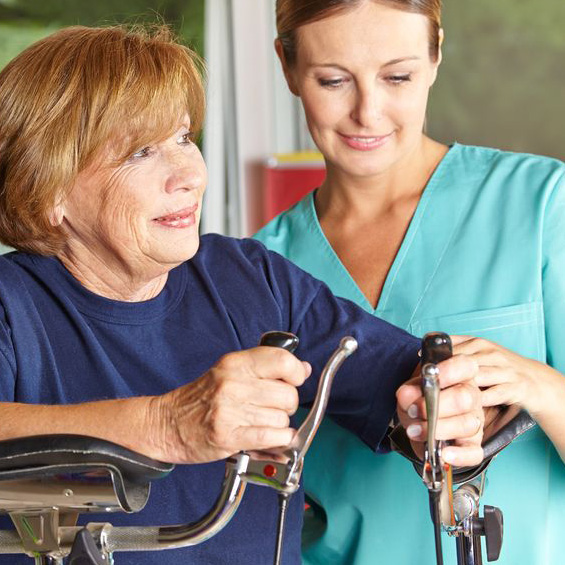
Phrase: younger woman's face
(364, 76)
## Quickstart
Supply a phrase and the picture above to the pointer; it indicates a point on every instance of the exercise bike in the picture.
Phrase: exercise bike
(46, 482)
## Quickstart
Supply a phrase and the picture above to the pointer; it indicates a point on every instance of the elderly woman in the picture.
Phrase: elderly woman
(118, 321)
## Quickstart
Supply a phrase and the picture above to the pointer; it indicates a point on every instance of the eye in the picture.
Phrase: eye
(331, 82)
(399, 79)
(186, 138)
(142, 153)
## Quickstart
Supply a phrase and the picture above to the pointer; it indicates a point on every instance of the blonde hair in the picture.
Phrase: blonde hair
(292, 14)
(66, 98)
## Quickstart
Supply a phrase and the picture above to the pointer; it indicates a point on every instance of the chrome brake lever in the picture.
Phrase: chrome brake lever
(433, 469)
(281, 468)
(436, 475)
(305, 434)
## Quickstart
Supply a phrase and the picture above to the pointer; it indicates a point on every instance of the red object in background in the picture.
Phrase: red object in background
(289, 177)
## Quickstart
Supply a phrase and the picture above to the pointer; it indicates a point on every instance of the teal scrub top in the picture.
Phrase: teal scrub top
(484, 255)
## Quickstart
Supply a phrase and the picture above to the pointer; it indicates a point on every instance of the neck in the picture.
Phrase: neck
(346, 196)
(110, 279)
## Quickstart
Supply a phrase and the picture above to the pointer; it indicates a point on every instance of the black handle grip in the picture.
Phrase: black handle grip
(436, 347)
(84, 550)
(285, 340)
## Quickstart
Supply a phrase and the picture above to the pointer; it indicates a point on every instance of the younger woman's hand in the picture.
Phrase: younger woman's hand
(507, 378)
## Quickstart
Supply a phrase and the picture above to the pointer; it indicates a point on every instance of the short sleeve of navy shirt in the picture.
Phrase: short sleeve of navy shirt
(60, 344)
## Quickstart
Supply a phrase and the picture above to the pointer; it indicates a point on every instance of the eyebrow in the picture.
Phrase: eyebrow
(387, 64)
(401, 60)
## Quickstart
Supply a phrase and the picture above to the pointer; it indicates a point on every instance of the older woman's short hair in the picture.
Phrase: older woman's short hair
(73, 94)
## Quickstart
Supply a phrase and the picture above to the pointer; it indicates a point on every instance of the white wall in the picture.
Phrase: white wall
(251, 113)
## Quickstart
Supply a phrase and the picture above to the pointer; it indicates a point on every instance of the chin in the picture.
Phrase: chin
(178, 252)
(363, 170)
(188, 250)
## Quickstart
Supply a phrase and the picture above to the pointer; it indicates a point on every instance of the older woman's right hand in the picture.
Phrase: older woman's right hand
(461, 415)
(244, 402)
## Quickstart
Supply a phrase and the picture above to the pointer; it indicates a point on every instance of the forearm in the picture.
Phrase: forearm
(134, 423)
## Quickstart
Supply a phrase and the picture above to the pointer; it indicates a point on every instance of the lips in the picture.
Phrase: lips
(365, 143)
(179, 219)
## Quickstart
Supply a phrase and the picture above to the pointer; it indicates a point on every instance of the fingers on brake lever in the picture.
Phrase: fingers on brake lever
(436, 347)
(272, 469)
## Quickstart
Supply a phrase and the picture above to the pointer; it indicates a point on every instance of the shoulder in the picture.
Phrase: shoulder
(516, 184)
(12, 270)
(504, 166)
(15, 302)
(20, 270)
(248, 258)
(253, 285)
(291, 223)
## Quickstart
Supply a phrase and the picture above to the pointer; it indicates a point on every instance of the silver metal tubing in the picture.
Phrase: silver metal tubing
(469, 550)
(10, 542)
(46, 560)
(170, 537)
(466, 501)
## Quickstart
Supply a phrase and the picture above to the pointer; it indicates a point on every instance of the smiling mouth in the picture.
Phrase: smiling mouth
(365, 142)
(180, 219)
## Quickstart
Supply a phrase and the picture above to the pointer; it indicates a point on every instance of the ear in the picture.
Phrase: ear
(57, 214)
(441, 36)
(288, 73)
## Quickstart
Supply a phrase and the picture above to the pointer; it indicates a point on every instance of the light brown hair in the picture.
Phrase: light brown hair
(68, 97)
(292, 14)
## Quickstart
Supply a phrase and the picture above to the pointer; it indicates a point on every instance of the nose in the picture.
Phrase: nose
(185, 170)
(367, 107)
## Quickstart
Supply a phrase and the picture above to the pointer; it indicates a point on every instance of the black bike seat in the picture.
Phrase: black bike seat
(47, 456)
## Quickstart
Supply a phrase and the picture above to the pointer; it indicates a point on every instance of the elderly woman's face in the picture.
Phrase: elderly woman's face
(141, 216)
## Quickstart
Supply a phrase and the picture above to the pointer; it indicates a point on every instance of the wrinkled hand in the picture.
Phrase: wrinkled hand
(461, 415)
(242, 403)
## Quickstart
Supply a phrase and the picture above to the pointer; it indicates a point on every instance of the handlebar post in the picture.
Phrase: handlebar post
(290, 343)
(436, 347)
(300, 444)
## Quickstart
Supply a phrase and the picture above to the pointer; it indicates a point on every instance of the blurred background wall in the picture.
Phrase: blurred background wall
(501, 83)
(502, 80)
(24, 21)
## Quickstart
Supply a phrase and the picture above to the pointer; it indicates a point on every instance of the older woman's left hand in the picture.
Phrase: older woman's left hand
(461, 415)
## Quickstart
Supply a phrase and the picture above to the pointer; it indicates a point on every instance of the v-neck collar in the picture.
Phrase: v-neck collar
(394, 275)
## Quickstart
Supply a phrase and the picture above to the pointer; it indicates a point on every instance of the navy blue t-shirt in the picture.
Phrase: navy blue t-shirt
(60, 343)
